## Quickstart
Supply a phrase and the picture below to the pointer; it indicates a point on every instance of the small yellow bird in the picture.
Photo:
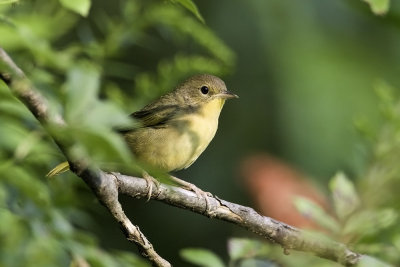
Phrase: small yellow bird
(176, 128)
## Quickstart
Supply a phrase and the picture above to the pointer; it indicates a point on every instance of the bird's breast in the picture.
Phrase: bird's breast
(180, 141)
(199, 129)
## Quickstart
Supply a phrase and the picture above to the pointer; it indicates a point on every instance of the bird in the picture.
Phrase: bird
(176, 128)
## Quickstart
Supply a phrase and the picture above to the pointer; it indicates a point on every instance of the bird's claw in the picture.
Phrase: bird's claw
(150, 180)
(191, 187)
(201, 194)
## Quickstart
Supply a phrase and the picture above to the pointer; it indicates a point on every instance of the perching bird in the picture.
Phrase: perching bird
(176, 128)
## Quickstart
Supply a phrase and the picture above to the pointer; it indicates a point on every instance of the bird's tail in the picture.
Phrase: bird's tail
(60, 168)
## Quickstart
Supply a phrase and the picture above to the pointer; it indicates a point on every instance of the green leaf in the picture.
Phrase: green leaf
(311, 210)
(345, 198)
(379, 7)
(369, 222)
(201, 257)
(241, 248)
(82, 87)
(106, 114)
(104, 147)
(189, 5)
(83, 107)
(81, 7)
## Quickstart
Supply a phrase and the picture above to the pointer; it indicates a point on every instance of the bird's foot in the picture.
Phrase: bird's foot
(150, 180)
(191, 187)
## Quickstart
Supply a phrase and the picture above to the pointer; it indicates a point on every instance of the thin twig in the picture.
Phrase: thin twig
(107, 186)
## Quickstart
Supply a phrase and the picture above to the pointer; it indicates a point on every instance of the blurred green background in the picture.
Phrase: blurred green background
(305, 71)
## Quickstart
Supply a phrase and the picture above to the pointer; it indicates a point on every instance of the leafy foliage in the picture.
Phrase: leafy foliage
(75, 52)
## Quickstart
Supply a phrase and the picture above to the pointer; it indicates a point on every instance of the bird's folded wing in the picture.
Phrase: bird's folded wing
(155, 116)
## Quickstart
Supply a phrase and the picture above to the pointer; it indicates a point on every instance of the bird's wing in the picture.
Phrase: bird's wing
(155, 116)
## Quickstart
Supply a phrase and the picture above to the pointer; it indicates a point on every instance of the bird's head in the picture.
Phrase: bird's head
(203, 89)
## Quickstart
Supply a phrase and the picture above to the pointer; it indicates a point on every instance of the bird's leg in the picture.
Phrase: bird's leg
(150, 180)
(200, 193)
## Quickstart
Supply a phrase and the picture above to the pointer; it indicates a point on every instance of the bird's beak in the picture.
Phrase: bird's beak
(227, 95)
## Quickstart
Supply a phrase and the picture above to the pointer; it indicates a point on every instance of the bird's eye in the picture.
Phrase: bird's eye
(204, 90)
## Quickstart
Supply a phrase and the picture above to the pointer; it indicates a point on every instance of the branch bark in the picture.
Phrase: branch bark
(107, 186)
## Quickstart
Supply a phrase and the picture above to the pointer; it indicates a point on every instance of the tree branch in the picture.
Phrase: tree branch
(104, 187)
(107, 186)
(285, 235)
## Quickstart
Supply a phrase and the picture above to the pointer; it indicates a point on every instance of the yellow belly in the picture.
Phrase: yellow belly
(177, 145)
